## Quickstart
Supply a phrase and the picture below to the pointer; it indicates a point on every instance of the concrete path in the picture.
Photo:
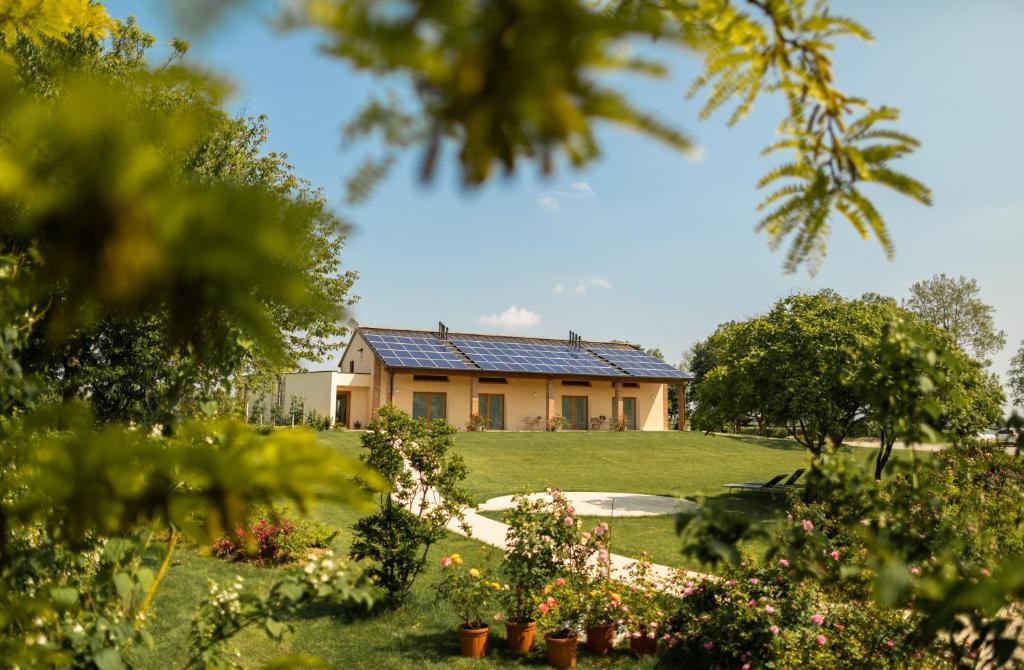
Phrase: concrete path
(604, 504)
(493, 533)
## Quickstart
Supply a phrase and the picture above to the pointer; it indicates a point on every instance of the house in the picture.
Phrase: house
(512, 383)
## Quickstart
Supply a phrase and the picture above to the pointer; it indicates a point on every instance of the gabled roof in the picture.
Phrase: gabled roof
(475, 354)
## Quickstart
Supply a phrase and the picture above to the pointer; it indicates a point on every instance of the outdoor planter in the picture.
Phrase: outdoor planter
(600, 638)
(520, 635)
(561, 650)
(473, 641)
(644, 646)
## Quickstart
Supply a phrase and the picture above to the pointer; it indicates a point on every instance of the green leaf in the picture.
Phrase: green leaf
(108, 659)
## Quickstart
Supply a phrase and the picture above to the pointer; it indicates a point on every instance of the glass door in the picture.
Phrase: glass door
(492, 408)
(341, 404)
(628, 409)
(574, 411)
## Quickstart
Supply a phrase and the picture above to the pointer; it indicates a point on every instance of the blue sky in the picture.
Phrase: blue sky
(646, 244)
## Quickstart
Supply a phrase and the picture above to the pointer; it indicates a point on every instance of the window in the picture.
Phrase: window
(429, 378)
(493, 380)
(351, 366)
(630, 385)
(575, 383)
(428, 406)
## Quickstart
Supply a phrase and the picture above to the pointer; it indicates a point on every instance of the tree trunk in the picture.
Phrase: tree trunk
(884, 450)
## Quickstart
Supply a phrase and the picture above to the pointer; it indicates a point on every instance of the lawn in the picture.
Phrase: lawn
(422, 633)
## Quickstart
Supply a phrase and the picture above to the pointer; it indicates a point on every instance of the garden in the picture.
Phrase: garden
(161, 266)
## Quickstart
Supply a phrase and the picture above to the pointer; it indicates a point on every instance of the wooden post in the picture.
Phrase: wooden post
(681, 396)
(550, 405)
(618, 404)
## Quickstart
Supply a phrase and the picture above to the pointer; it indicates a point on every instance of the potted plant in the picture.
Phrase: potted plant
(644, 609)
(470, 594)
(556, 423)
(561, 613)
(602, 606)
(476, 422)
(536, 530)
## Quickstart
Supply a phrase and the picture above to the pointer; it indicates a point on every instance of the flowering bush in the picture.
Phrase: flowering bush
(765, 616)
(274, 537)
(545, 540)
(561, 608)
(602, 604)
(232, 608)
(469, 592)
(647, 603)
(476, 422)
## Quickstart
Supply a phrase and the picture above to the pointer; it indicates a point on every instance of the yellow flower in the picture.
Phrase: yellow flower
(456, 559)
(473, 572)
(547, 588)
(593, 593)
(496, 586)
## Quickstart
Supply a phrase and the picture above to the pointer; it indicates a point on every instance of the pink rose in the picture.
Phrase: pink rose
(821, 639)
(708, 645)
(445, 561)
(783, 562)
(769, 609)
(560, 582)
(585, 536)
(567, 521)
(834, 555)
(774, 630)
(817, 619)
(808, 525)
(915, 570)
(650, 636)
(745, 666)
(754, 580)
(635, 635)
(497, 616)
(543, 607)
(890, 644)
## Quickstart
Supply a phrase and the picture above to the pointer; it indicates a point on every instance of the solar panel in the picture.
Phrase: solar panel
(499, 356)
(415, 351)
(637, 363)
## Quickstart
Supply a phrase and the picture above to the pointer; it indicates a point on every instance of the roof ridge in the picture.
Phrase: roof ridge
(422, 331)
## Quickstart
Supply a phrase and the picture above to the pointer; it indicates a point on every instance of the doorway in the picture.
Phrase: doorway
(628, 410)
(342, 408)
(492, 408)
(574, 411)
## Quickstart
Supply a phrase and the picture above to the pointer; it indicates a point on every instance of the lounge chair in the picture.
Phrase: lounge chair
(770, 485)
(791, 482)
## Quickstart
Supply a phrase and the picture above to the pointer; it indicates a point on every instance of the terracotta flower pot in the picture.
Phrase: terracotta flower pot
(600, 638)
(644, 646)
(473, 641)
(520, 635)
(561, 651)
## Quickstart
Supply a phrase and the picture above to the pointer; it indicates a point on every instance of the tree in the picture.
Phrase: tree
(102, 228)
(954, 305)
(1017, 377)
(132, 368)
(424, 494)
(508, 81)
(916, 382)
(787, 368)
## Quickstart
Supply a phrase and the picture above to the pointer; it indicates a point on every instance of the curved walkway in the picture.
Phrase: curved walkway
(493, 532)
(602, 503)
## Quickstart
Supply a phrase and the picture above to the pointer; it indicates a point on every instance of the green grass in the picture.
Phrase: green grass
(421, 633)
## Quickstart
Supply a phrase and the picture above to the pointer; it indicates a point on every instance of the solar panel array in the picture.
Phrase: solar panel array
(415, 351)
(637, 363)
(499, 356)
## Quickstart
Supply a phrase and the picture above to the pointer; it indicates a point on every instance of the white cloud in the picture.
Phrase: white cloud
(549, 203)
(512, 318)
(583, 189)
(579, 190)
(582, 286)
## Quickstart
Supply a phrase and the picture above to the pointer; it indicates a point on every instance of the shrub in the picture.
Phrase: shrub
(275, 537)
(544, 540)
(415, 459)
(317, 421)
(766, 616)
